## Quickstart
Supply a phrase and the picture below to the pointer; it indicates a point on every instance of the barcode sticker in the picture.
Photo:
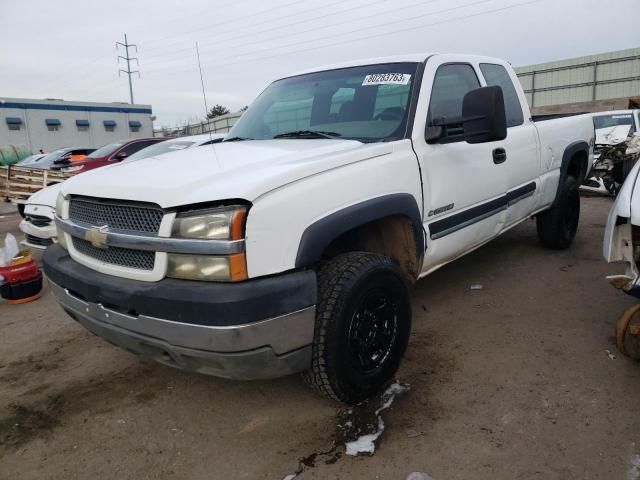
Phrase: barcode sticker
(386, 79)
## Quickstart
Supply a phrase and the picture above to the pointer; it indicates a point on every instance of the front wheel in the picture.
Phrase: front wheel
(558, 226)
(363, 322)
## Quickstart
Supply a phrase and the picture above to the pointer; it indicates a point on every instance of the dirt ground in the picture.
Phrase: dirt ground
(512, 381)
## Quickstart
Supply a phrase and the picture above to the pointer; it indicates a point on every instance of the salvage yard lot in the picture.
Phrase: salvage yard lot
(509, 381)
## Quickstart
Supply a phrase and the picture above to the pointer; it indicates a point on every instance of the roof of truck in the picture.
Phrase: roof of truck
(409, 57)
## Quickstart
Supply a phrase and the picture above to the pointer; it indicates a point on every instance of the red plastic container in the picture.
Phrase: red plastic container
(20, 272)
(21, 282)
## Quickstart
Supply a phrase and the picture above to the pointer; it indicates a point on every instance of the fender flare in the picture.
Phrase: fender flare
(569, 152)
(317, 236)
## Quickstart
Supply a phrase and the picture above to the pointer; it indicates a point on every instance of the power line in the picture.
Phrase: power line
(464, 17)
(128, 59)
(208, 27)
(252, 33)
(324, 27)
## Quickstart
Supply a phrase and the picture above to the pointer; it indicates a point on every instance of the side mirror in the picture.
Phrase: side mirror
(483, 115)
(121, 156)
(483, 119)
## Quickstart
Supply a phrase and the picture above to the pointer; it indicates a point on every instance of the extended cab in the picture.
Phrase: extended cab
(289, 247)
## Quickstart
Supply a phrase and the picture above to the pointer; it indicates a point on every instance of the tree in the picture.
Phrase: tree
(244, 109)
(217, 111)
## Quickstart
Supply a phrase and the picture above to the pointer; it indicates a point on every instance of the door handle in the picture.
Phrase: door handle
(499, 156)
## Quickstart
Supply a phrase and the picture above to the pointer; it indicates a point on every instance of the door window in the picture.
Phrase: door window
(498, 75)
(450, 85)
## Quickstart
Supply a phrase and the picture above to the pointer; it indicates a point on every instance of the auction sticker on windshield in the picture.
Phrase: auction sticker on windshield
(386, 79)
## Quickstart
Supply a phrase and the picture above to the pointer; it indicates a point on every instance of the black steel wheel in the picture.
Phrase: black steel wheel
(363, 322)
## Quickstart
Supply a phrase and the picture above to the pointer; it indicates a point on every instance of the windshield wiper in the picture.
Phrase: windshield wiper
(236, 139)
(308, 134)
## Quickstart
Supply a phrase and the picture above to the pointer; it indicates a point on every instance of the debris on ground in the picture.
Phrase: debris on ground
(610, 355)
(476, 286)
(357, 431)
(419, 476)
(366, 443)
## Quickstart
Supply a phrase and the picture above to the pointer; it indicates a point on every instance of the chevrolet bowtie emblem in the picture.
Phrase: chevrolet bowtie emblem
(97, 236)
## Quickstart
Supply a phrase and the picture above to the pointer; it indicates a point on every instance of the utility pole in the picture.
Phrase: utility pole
(128, 59)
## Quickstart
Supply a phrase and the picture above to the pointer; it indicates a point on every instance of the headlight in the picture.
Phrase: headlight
(215, 224)
(232, 268)
(223, 223)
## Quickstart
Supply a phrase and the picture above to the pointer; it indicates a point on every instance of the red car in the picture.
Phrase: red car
(108, 154)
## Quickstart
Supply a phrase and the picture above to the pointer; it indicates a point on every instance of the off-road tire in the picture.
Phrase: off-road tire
(345, 284)
(557, 226)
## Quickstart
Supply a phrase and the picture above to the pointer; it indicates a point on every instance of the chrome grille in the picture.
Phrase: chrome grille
(117, 215)
(124, 257)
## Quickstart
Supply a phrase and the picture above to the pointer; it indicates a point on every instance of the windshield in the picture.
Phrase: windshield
(369, 103)
(106, 150)
(160, 148)
(47, 160)
(31, 159)
(606, 121)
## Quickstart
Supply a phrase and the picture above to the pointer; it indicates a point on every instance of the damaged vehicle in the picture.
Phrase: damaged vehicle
(622, 245)
(616, 151)
(291, 245)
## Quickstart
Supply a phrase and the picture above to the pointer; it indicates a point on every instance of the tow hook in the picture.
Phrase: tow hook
(628, 332)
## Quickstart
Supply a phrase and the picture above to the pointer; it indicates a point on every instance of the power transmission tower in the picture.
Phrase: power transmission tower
(128, 59)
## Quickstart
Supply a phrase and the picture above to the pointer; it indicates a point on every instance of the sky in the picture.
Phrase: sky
(66, 49)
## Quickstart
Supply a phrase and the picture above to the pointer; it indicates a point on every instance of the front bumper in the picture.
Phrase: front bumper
(45, 234)
(255, 329)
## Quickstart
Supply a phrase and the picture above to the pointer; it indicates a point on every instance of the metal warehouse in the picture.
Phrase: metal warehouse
(607, 81)
(51, 124)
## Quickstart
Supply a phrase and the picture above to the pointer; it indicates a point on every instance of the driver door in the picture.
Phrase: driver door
(464, 184)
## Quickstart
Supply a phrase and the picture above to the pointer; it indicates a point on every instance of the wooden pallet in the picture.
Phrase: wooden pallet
(17, 184)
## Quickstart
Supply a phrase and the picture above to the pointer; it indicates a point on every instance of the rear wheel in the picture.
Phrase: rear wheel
(557, 226)
(363, 321)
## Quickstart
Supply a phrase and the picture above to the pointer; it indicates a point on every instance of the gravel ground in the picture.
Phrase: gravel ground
(509, 381)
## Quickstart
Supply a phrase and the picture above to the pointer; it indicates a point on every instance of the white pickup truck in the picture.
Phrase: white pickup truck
(290, 246)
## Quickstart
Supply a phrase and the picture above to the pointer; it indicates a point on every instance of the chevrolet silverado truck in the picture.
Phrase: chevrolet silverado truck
(291, 245)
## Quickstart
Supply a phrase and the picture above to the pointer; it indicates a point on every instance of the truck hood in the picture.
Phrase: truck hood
(245, 170)
(612, 135)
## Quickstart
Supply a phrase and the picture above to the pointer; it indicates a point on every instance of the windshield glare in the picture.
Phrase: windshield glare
(369, 103)
(104, 151)
(160, 148)
(606, 121)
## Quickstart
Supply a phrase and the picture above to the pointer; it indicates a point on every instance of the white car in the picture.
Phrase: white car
(39, 210)
(289, 246)
(617, 133)
(622, 235)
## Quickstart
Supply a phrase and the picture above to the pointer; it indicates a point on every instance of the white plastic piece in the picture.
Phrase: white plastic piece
(9, 251)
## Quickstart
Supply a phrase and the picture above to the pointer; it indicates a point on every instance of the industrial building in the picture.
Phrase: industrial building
(51, 124)
(607, 81)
